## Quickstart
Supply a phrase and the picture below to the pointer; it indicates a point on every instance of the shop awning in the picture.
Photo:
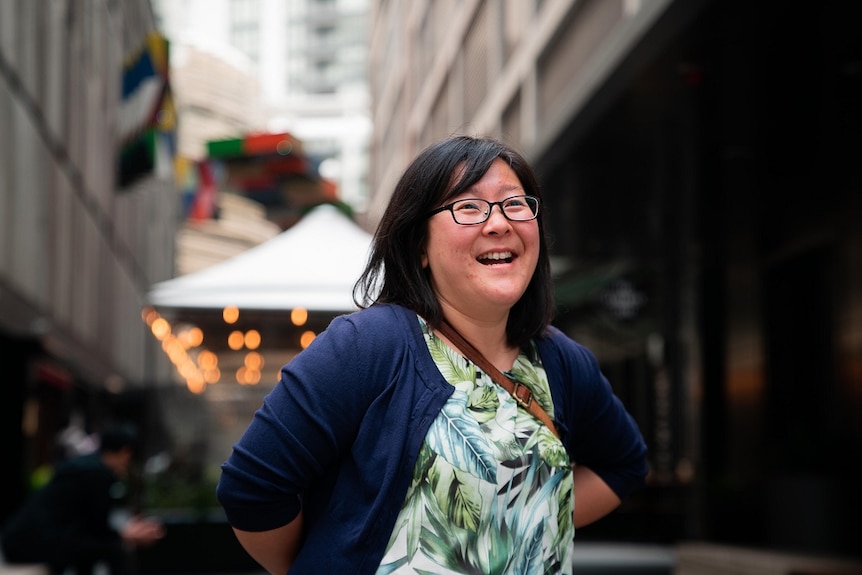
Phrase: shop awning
(312, 265)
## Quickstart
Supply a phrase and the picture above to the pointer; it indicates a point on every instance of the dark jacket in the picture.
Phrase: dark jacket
(67, 520)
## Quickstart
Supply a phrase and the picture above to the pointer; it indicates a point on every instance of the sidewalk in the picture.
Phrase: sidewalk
(623, 559)
(28, 569)
(6, 569)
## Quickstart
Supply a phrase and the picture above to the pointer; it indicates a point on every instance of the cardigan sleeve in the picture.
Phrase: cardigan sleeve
(599, 432)
(305, 424)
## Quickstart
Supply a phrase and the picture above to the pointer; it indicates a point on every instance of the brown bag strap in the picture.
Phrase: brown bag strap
(522, 394)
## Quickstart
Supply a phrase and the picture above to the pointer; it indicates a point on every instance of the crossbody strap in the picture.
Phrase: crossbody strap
(522, 394)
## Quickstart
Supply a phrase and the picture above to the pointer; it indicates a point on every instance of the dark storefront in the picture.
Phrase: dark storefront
(708, 203)
(43, 402)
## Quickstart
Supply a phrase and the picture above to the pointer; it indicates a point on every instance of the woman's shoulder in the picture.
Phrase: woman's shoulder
(378, 316)
(377, 324)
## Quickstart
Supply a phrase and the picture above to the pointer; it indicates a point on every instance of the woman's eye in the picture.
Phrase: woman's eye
(468, 206)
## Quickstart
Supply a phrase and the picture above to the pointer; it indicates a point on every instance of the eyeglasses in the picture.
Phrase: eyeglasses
(473, 211)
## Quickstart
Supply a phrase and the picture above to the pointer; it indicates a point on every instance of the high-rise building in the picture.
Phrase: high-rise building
(309, 60)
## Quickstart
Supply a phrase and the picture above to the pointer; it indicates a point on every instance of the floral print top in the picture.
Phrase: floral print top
(492, 489)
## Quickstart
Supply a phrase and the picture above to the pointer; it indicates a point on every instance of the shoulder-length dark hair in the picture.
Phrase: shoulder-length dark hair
(394, 273)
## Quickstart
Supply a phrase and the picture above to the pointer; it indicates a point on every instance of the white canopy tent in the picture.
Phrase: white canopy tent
(312, 265)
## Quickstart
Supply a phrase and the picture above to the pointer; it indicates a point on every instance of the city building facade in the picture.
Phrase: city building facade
(88, 215)
(697, 162)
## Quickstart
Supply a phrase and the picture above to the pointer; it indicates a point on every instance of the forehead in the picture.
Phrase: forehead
(461, 181)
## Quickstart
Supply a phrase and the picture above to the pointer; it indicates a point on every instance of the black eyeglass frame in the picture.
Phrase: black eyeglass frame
(450, 207)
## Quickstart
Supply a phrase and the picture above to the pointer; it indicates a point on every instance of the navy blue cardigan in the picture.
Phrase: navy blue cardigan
(339, 434)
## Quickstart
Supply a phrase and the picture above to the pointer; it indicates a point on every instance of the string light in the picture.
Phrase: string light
(199, 367)
(235, 340)
(298, 316)
(306, 338)
(230, 314)
(252, 339)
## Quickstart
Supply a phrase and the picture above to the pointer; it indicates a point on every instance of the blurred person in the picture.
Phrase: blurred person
(67, 523)
(384, 449)
(71, 441)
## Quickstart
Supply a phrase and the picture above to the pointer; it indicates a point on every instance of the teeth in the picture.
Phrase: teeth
(496, 256)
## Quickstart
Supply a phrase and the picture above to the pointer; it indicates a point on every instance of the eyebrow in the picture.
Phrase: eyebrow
(506, 188)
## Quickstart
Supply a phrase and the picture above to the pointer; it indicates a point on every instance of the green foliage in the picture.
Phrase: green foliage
(181, 493)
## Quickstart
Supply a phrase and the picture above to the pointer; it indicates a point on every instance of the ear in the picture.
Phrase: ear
(423, 254)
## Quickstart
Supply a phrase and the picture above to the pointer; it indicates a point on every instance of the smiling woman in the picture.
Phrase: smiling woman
(384, 449)
(481, 260)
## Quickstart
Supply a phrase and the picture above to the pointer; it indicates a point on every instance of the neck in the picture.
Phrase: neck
(488, 337)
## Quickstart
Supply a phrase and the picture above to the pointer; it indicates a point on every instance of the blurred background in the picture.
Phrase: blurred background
(188, 189)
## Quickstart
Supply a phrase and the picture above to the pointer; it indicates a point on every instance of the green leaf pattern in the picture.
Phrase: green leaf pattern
(457, 438)
(492, 490)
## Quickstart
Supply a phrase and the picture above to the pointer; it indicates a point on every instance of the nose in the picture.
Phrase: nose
(496, 219)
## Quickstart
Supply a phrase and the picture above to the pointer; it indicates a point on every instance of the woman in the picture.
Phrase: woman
(384, 450)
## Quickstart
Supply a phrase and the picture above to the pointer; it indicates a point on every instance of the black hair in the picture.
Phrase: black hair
(117, 436)
(394, 272)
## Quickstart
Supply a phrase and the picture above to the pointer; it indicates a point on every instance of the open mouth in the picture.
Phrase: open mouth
(495, 258)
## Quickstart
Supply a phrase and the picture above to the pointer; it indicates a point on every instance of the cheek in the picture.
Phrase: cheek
(533, 240)
(444, 255)
(437, 243)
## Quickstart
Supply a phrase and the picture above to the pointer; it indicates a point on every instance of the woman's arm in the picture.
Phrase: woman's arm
(599, 433)
(274, 550)
(593, 498)
(294, 438)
